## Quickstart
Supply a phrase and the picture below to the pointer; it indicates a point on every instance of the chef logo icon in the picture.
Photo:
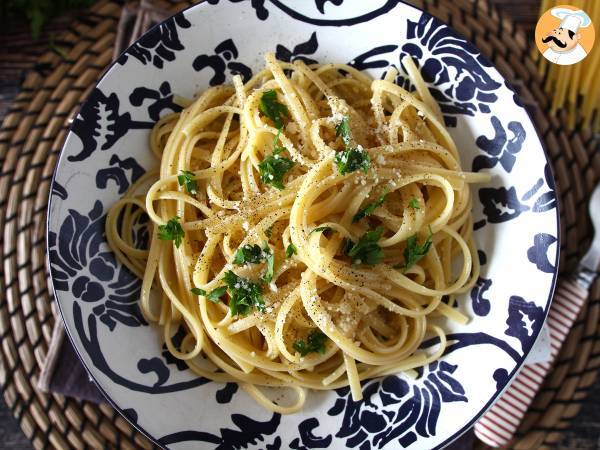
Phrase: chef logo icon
(564, 35)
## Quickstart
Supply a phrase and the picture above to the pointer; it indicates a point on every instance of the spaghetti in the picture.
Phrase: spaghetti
(304, 229)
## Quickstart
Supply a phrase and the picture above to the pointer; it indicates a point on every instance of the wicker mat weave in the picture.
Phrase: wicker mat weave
(30, 140)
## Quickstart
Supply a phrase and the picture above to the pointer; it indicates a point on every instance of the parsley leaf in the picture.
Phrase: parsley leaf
(249, 254)
(315, 342)
(244, 294)
(273, 168)
(366, 250)
(370, 208)
(268, 276)
(351, 160)
(172, 231)
(323, 229)
(214, 296)
(277, 149)
(271, 108)
(253, 254)
(290, 251)
(343, 129)
(414, 204)
(347, 245)
(187, 179)
(414, 252)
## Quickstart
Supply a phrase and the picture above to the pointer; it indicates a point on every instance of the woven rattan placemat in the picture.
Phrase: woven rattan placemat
(30, 140)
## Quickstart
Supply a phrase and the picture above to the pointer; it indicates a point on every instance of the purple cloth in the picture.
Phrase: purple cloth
(71, 379)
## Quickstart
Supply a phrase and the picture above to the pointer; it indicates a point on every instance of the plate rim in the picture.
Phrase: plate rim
(508, 84)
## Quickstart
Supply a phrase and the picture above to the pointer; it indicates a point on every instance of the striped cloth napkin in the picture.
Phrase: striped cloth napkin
(498, 426)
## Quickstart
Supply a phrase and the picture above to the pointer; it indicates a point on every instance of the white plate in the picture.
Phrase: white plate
(516, 227)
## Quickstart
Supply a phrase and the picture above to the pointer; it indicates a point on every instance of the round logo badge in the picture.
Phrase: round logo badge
(564, 35)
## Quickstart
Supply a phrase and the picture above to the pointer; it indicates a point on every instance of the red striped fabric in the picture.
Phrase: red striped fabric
(498, 426)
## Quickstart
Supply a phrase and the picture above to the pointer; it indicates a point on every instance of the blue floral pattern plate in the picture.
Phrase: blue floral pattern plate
(516, 227)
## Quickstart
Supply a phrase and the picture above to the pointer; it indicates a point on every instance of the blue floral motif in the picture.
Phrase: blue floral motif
(300, 51)
(160, 45)
(499, 148)
(501, 378)
(156, 366)
(131, 415)
(76, 253)
(99, 124)
(249, 432)
(320, 4)
(501, 204)
(59, 190)
(225, 394)
(481, 305)
(262, 13)
(538, 252)
(258, 5)
(456, 68)
(361, 62)
(161, 99)
(393, 410)
(515, 96)
(90, 343)
(225, 58)
(176, 339)
(307, 439)
(523, 319)
(117, 173)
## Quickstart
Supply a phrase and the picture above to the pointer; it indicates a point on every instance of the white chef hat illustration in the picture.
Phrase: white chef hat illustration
(571, 19)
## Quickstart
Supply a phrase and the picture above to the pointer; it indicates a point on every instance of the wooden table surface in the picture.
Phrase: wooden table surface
(18, 52)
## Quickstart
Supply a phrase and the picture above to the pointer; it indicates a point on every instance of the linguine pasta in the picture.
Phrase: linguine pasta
(307, 229)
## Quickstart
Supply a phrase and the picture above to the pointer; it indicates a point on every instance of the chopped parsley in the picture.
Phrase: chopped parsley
(290, 251)
(322, 229)
(268, 276)
(315, 343)
(244, 295)
(272, 170)
(187, 179)
(351, 160)
(366, 250)
(270, 107)
(347, 245)
(342, 129)
(277, 149)
(414, 204)
(254, 254)
(172, 231)
(370, 208)
(414, 252)
(214, 296)
(274, 167)
(198, 291)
